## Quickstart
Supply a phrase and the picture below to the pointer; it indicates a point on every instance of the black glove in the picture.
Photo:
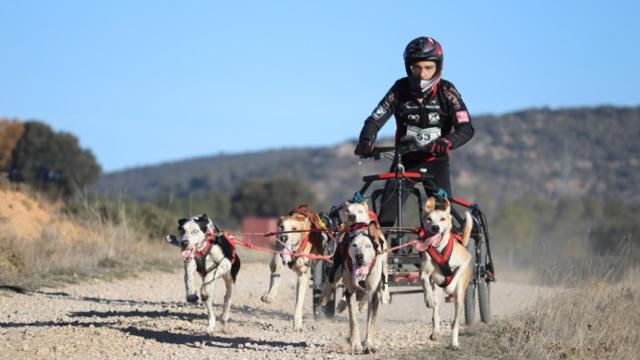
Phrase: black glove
(364, 149)
(439, 147)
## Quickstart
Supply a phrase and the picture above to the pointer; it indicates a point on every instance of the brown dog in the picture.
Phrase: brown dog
(446, 263)
(301, 221)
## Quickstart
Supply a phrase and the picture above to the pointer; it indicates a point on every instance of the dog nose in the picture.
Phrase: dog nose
(359, 259)
(284, 237)
(352, 217)
(362, 284)
(435, 228)
(184, 243)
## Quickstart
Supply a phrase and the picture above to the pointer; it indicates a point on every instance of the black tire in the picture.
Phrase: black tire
(470, 295)
(330, 307)
(484, 300)
(484, 288)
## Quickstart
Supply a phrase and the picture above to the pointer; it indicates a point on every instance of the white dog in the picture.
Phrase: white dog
(298, 235)
(357, 218)
(362, 270)
(446, 263)
(210, 253)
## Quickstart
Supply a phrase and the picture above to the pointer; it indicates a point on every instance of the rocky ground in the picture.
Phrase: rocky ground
(146, 317)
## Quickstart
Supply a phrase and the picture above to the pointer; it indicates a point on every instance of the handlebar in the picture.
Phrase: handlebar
(406, 145)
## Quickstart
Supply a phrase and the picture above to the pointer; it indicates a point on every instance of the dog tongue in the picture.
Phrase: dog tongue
(361, 272)
(186, 254)
(423, 245)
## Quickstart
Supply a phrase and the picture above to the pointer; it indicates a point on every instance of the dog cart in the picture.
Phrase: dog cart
(404, 263)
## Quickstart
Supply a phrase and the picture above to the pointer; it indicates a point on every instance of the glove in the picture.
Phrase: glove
(439, 147)
(364, 149)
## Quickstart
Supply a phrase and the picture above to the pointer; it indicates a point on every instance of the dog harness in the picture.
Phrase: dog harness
(442, 260)
(316, 224)
(205, 247)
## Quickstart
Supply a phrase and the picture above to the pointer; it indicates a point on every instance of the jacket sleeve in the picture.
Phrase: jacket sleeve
(459, 116)
(379, 117)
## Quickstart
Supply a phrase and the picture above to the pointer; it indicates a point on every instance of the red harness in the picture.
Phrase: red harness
(442, 260)
(213, 238)
(316, 225)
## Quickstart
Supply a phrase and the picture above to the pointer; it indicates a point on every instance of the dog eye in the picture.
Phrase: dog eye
(294, 228)
(193, 232)
(368, 246)
(441, 219)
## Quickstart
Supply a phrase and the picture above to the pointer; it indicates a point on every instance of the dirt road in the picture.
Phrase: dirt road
(146, 317)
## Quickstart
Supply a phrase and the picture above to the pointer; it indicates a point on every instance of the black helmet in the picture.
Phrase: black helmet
(423, 48)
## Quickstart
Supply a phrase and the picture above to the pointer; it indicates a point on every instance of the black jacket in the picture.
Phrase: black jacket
(443, 107)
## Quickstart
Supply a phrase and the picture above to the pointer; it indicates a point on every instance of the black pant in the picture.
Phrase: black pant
(389, 208)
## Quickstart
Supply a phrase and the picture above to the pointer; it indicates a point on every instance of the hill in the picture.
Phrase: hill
(548, 153)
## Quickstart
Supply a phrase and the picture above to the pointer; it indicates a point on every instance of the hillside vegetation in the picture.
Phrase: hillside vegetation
(548, 153)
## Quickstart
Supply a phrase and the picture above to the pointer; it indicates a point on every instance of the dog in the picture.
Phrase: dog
(363, 271)
(356, 218)
(299, 233)
(211, 253)
(446, 263)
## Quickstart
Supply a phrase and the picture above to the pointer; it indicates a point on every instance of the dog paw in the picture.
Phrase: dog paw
(267, 299)
(356, 347)
(342, 305)
(209, 330)
(434, 336)
(193, 298)
(369, 348)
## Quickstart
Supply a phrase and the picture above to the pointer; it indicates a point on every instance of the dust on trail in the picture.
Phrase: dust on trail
(146, 317)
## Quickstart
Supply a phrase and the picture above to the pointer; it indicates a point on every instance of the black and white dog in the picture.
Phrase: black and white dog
(211, 253)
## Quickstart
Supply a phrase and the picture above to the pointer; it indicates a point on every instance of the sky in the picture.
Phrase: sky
(146, 82)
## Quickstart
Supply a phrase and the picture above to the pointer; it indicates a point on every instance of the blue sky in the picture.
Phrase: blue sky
(143, 82)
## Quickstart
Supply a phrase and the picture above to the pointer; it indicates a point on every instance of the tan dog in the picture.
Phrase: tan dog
(446, 263)
(301, 219)
(362, 270)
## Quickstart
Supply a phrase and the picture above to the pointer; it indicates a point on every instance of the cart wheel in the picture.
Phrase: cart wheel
(484, 288)
(470, 295)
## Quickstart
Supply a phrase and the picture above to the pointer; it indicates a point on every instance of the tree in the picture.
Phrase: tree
(273, 197)
(52, 162)
(10, 132)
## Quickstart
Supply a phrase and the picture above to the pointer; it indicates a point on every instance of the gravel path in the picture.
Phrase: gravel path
(146, 317)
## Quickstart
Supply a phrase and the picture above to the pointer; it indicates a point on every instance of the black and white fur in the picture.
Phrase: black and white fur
(192, 233)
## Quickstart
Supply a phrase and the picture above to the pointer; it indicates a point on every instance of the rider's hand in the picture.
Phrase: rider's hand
(364, 149)
(439, 147)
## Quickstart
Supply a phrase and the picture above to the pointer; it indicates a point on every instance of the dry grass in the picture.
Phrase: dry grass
(589, 313)
(595, 319)
(101, 249)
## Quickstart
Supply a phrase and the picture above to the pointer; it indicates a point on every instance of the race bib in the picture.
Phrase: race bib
(423, 136)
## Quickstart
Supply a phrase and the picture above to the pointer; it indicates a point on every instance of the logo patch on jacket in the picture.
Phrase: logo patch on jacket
(378, 112)
(434, 118)
(462, 116)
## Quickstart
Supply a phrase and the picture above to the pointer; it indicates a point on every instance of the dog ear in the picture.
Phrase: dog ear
(181, 222)
(445, 205)
(203, 222)
(430, 205)
(374, 242)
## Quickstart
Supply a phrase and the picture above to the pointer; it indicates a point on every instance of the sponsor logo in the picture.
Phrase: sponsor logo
(434, 118)
(378, 112)
(413, 117)
(462, 116)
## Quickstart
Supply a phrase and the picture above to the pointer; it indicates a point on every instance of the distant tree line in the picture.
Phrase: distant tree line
(51, 162)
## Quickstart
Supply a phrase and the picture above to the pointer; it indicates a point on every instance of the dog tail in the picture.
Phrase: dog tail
(468, 226)
(235, 268)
